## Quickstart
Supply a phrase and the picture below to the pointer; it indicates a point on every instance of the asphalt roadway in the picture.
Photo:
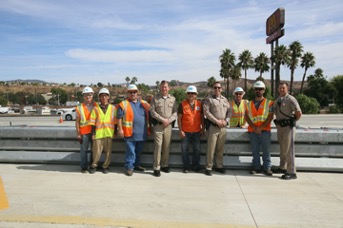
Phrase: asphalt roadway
(46, 195)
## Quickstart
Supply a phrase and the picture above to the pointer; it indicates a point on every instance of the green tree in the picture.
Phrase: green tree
(133, 80)
(261, 63)
(211, 81)
(246, 61)
(60, 96)
(127, 79)
(236, 73)
(179, 94)
(308, 105)
(307, 61)
(143, 88)
(100, 85)
(281, 57)
(295, 49)
(319, 88)
(3, 101)
(227, 63)
(337, 82)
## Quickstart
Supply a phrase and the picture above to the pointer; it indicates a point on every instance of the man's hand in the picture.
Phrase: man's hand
(182, 134)
(166, 122)
(121, 133)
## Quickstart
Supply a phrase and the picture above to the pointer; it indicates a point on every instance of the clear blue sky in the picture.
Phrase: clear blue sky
(90, 41)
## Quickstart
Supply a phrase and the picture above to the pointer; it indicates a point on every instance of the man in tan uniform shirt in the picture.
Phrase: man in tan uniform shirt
(218, 111)
(164, 112)
(287, 111)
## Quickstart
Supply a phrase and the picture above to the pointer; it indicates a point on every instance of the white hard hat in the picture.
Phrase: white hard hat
(259, 84)
(238, 90)
(132, 87)
(104, 90)
(191, 89)
(87, 89)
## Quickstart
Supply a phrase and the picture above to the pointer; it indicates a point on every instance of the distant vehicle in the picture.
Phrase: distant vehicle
(69, 115)
(72, 103)
(5, 110)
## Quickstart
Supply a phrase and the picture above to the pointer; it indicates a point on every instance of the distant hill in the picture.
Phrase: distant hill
(26, 81)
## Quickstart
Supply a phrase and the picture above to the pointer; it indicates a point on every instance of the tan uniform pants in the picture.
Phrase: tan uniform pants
(99, 145)
(286, 136)
(215, 147)
(162, 137)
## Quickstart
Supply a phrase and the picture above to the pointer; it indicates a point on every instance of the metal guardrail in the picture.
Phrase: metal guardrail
(316, 149)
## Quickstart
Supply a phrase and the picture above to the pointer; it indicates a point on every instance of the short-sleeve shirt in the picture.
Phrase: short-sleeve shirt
(286, 105)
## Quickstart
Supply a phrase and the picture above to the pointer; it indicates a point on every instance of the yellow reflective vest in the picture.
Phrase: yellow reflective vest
(104, 122)
(237, 117)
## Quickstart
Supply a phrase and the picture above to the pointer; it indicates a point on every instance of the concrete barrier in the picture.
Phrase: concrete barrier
(316, 149)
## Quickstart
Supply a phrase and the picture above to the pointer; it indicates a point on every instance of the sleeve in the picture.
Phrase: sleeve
(206, 109)
(120, 112)
(173, 116)
(153, 112)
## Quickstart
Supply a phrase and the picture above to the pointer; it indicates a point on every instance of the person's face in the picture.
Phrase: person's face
(239, 96)
(191, 96)
(132, 95)
(104, 98)
(217, 89)
(88, 97)
(283, 90)
(259, 92)
(164, 89)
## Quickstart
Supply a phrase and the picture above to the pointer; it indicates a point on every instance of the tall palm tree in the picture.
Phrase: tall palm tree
(261, 63)
(281, 57)
(296, 50)
(127, 79)
(227, 62)
(134, 80)
(246, 61)
(236, 73)
(211, 81)
(307, 61)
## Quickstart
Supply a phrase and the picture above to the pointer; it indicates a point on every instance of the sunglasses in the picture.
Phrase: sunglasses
(259, 89)
(217, 87)
(191, 93)
(132, 92)
(239, 94)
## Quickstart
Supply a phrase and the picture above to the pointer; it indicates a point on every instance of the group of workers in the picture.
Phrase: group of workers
(134, 119)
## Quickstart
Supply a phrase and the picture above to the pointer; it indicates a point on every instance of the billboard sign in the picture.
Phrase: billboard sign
(275, 22)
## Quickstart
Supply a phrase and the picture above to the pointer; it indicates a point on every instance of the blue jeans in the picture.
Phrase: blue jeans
(262, 141)
(132, 154)
(86, 140)
(194, 138)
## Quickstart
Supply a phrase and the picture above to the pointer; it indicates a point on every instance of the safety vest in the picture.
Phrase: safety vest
(260, 115)
(104, 122)
(84, 114)
(191, 119)
(237, 117)
(127, 123)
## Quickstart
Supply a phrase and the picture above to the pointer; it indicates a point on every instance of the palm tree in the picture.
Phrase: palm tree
(134, 80)
(307, 61)
(296, 50)
(157, 86)
(246, 61)
(227, 62)
(211, 81)
(281, 57)
(261, 63)
(127, 79)
(236, 73)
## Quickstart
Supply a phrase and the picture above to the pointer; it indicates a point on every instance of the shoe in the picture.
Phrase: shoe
(129, 172)
(92, 170)
(185, 170)
(157, 173)
(84, 170)
(254, 171)
(106, 170)
(220, 170)
(165, 169)
(268, 172)
(208, 172)
(278, 170)
(289, 176)
(139, 168)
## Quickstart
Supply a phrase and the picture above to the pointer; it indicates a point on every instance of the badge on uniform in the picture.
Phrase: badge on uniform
(197, 108)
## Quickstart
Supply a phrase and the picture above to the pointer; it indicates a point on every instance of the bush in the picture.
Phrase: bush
(308, 105)
(334, 109)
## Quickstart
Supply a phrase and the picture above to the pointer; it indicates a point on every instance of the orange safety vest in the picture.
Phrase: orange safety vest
(260, 115)
(238, 112)
(104, 122)
(85, 115)
(191, 119)
(127, 123)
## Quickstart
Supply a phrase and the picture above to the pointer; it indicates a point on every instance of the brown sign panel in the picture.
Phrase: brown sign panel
(275, 21)
(276, 35)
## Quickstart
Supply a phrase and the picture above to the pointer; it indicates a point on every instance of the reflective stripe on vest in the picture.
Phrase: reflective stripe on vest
(260, 115)
(127, 123)
(191, 119)
(104, 122)
(84, 114)
(238, 112)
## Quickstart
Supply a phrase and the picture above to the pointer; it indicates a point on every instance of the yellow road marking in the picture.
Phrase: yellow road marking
(77, 220)
(3, 198)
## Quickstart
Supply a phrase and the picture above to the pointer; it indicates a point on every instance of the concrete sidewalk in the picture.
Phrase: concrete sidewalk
(60, 196)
